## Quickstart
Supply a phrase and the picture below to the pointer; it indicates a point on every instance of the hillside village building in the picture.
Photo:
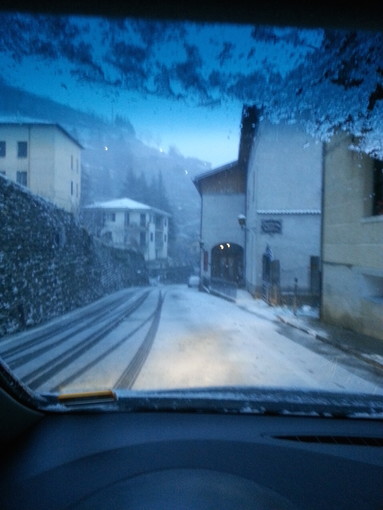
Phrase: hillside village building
(222, 242)
(261, 215)
(223, 197)
(125, 223)
(283, 210)
(352, 290)
(44, 158)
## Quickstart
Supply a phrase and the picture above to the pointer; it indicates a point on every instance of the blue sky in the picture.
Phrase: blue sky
(211, 134)
(208, 127)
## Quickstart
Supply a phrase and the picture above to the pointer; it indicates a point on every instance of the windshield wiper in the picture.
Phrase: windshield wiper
(236, 400)
(230, 400)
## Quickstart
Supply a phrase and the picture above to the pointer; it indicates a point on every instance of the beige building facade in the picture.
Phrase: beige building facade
(352, 289)
(45, 159)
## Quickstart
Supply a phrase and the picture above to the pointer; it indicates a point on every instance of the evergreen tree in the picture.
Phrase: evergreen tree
(160, 200)
(135, 187)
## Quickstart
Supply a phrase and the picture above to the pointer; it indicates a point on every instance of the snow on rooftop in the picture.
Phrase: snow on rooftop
(124, 203)
(120, 203)
(288, 211)
(21, 119)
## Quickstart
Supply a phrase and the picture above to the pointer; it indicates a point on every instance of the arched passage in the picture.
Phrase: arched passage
(227, 262)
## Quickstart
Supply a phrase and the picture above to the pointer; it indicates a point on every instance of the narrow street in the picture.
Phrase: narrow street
(170, 337)
(203, 340)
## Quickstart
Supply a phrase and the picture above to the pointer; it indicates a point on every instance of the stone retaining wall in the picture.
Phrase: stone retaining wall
(49, 264)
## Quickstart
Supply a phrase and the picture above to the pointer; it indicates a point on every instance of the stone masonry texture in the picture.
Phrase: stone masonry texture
(50, 265)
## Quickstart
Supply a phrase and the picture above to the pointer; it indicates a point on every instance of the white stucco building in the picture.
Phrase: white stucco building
(223, 198)
(45, 158)
(222, 242)
(283, 207)
(275, 189)
(125, 223)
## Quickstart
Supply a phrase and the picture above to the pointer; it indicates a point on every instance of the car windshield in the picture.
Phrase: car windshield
(190, 208)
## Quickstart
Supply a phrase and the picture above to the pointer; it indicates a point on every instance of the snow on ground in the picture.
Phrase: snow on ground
(204, 340)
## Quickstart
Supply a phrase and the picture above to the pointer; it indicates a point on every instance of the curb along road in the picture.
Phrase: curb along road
(325, 338)
(365, 354)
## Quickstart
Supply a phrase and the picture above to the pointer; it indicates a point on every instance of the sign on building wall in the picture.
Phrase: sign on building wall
(271, 226)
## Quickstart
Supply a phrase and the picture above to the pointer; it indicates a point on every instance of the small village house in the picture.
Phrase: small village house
(125, 223)
(223, 198)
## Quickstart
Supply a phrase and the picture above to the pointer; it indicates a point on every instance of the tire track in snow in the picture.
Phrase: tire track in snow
(43, 373)
(130, 374)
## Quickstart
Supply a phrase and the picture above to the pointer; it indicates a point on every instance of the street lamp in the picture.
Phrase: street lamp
(242, 223)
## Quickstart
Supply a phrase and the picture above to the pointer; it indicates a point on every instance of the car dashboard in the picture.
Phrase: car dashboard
(191, 460)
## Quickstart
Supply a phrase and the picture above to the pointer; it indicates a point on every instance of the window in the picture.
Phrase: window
(71, 188)
(21, 178)
(71, 162)
(377, 207)
(110, 216)
(142, 239)
(127, 219)
(22, 149)
(143, 219)
(3, 149)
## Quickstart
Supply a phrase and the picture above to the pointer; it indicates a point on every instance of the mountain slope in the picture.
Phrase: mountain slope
(112, 152)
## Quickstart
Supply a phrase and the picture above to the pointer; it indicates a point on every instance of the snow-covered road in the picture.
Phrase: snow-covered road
(98, 346)
(172, 337)
(204, 340)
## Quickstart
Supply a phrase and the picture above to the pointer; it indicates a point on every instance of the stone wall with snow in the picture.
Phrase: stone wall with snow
(49, 264)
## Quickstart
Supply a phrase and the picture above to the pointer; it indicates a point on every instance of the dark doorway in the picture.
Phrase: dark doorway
(227, 262)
